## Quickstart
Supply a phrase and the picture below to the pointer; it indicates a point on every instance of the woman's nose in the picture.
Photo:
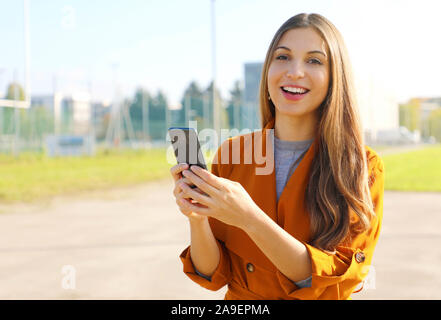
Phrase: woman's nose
(295, 70)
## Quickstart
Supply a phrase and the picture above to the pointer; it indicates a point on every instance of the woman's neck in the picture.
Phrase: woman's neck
(291, 128)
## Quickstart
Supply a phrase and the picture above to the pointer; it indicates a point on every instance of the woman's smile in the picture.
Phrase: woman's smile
(294, 93)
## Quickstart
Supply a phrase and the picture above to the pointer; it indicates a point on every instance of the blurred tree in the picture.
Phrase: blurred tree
(35, 123)
(138, 110)
(157, 115)
(8, 113)
(234, 105)
(435, 124)
(193, 103)
(10, 93)
(208, 92)
(44, 121)
(410, 114)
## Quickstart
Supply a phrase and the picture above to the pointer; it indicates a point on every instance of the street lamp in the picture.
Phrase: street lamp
(216, 113)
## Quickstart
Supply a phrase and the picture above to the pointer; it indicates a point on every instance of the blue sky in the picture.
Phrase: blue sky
(166, 44)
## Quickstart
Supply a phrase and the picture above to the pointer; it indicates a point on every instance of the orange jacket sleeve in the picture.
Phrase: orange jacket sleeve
(336, 275)
(222, 275)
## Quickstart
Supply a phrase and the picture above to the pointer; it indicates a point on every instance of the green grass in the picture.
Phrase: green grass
(418, 170)
(35, 176)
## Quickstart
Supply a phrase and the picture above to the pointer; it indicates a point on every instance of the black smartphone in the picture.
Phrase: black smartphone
(186, 146)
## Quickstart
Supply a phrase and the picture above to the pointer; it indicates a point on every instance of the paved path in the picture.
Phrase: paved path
(124, 244)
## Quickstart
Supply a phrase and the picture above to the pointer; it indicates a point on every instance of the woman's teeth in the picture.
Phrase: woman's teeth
(294, 90)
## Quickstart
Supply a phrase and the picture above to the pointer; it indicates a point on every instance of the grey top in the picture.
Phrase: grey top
(287, 155)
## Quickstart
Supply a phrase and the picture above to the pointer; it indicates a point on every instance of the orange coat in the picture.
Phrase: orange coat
(249, 274)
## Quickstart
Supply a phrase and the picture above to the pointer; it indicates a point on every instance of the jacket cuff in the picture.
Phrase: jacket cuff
(328, 269)
(331, 268)
(290, 286)
(220, 277)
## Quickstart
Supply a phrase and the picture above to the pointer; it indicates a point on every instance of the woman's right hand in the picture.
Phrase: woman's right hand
(181, 198)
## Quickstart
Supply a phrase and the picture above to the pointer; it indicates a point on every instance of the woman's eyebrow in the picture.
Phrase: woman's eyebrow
(313, 51)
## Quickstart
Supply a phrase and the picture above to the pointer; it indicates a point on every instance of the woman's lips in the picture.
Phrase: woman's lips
(293, 96)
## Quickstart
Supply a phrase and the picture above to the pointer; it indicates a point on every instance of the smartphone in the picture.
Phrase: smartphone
(186, 146)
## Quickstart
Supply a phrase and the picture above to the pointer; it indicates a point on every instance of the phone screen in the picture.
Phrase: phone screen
(186, 146)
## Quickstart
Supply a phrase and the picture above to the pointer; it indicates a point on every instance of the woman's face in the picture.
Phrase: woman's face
(300, 60)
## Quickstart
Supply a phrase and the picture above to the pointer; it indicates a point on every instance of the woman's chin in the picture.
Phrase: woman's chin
(292, 111)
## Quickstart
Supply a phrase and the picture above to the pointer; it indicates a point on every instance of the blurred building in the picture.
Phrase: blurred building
(76, 111)
(428, 105)
(45, 101)
(429, 130)
(250, 113)
(379, 110)
(100, 117)
(72, 113)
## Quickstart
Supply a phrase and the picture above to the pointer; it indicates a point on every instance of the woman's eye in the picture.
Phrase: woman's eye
(282, 57)
(315, 61)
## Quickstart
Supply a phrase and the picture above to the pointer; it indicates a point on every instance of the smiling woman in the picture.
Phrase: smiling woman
(308, 229)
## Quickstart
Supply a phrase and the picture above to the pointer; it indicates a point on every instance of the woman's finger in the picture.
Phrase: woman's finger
(177, 169)
(200, 183)
(207, 176)
(178, 184)
(197, 196)
(197, 208)
(186, 211)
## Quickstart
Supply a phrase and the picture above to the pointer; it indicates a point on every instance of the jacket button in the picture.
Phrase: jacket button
(250, 267)
(359, 257)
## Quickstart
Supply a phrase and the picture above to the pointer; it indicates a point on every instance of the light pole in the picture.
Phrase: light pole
(1, 108)
(145, 117)
(187, 108)
(27, 88)
(216, 114)
(27, 53)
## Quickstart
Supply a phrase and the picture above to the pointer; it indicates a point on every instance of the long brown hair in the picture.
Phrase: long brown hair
(338, 181)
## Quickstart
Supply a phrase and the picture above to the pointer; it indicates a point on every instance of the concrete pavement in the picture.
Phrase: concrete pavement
(124, 244)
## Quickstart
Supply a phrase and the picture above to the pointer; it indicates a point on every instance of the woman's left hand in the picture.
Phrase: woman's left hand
(224, 200)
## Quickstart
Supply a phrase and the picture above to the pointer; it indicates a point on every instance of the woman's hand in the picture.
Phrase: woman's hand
(181, 197)
(224, 200)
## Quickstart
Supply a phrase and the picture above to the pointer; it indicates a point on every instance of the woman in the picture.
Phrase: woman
(306, 230)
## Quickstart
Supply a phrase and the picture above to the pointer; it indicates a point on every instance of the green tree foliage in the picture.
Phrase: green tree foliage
(154, 114)
(193, 102)
(208, 92)
(200, 107)
(234, 105)
(157, 106)
(199, 104)
(410, 114)
(157, 116)
(13, 90)
(139, 112)
(35, 123)
(193, 96)
(435, 124)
